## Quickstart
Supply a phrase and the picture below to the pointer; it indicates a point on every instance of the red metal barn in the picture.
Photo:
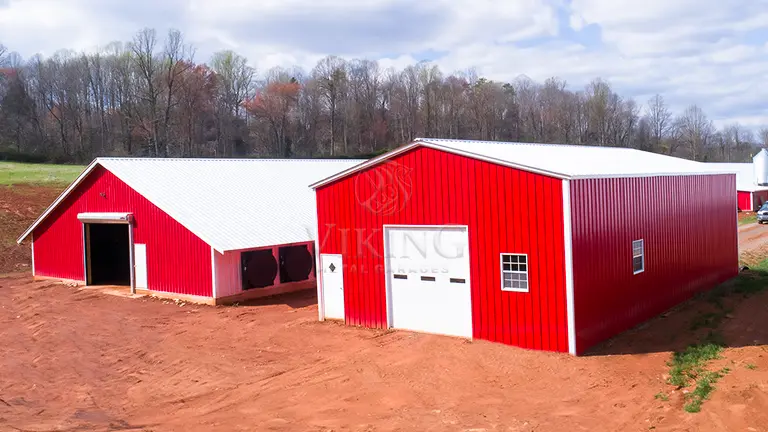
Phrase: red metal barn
(750, 194)
(545, 247)
(212, 231)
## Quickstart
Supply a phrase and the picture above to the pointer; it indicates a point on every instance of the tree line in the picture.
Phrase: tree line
(148, 97)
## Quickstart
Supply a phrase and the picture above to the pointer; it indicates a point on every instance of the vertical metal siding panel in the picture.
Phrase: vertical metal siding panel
(517, 246)
(505, 230)
(551, 259)
(227, 274)
(538, 268)
(475, 251)
(707, 249)
(492, 234)
(529, 220)
(177, 260)
(350, 260)
(474, 247)
(562, 304)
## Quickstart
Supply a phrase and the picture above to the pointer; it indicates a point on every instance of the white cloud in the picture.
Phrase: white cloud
(709, 52)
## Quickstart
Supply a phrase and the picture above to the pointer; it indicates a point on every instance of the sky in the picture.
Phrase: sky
(713, 53)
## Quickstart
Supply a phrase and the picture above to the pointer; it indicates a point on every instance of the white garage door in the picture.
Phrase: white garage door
(428, 279)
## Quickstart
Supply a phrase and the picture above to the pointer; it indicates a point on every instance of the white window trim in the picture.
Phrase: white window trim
(527, 266)
(642, 255)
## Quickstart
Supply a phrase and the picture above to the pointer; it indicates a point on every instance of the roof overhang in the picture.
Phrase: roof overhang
(58, 200)
(106, 218)
(424, 143)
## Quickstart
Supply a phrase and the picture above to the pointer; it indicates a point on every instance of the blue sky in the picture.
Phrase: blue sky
(710, 52)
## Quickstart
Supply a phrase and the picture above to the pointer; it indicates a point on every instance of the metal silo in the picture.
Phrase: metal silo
(760, 164)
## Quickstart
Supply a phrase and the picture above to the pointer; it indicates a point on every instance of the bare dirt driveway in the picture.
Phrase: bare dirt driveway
(78, 359)
(753, 238)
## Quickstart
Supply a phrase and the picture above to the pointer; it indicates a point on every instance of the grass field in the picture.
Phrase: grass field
(13, 173)
(747, 219)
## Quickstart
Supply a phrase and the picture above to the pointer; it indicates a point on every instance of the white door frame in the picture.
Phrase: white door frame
(109, 218)
(387, 271)
(320, 283)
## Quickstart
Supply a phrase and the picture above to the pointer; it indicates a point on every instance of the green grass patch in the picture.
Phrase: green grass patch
(751, 366)
(14, 173)
(705, 385)
(661, 396)
(748, 220)
(688, 365)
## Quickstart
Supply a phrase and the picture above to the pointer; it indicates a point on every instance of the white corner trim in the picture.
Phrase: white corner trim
(319, 272)
(132, 257)
(568, 245)
(33, 254)
(213, 272)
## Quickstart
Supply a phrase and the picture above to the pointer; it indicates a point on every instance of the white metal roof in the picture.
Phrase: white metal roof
(745, 175)
(230, 204)
(557, 160)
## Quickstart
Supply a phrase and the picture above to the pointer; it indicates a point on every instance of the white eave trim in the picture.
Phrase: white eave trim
(58, 200)
(418, 143)
(115, 218)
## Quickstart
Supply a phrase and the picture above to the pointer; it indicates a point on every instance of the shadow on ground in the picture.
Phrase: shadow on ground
(734, 314)
(296, 300)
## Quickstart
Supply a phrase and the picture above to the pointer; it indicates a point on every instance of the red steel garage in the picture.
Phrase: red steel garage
(548, 247)
(211, 231)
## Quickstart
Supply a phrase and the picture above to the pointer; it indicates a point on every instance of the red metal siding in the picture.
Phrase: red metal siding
(686, 251)
(759, 199)
(745, 201)
(177, 260)
(506, 210)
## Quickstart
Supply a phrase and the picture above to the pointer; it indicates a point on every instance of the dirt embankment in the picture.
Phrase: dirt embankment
(19, 206)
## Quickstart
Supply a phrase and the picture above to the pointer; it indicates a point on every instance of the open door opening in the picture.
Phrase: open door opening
(107, 248)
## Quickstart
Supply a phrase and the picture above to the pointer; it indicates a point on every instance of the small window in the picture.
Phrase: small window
(514, 272)
(638, 256)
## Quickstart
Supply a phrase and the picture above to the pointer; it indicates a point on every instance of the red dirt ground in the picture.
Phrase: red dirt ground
(19, 206)
(79, 359)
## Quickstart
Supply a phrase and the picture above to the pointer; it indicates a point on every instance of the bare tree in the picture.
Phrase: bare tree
(146, 62)
(660, 121)
(330, 75)
(235, 84)
(764, 137)
(695, 131)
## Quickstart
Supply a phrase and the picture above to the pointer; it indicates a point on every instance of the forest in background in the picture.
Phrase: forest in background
(148, 97)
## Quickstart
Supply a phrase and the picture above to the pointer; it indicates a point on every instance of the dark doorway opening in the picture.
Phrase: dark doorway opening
(108, 254)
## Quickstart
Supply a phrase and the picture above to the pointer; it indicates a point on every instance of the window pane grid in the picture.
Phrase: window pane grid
(514, 272)
(638, 256)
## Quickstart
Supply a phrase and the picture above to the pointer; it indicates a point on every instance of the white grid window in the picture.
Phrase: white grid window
(638, 256)
(514, 272)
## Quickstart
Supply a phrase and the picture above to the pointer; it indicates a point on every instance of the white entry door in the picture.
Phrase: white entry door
(332, 285)
(140, 263)
(428, 279)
